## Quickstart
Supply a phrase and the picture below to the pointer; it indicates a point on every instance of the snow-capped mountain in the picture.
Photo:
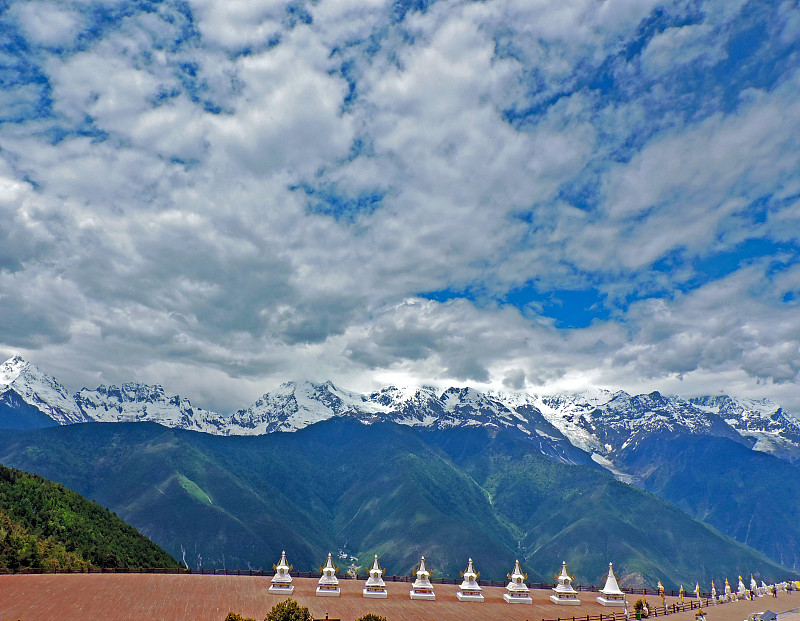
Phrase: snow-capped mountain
(33, 387)
(605, 423)
(24, 384)
(134, 402)
(294, 406)
(763, 421)
(599, 423)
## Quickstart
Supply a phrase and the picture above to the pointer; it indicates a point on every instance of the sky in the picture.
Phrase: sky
(222, 195)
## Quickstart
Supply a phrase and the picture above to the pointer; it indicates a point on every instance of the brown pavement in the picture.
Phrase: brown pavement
(741, 610)
(129, 597)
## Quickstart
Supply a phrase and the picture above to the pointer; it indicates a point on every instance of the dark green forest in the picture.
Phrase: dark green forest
(44, 525)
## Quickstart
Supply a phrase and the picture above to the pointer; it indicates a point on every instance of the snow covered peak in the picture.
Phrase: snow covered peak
(770, 427)
(599, 422)
(40, 390)
(136, 402)
(11, 369)
(476, 406)
(296, 405)
(393, 395)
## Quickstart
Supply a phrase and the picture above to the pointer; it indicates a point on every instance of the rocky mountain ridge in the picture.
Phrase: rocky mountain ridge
(574, 428)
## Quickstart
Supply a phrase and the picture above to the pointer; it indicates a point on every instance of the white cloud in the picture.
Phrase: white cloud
(103, 84)
(236, 24)
(289, 115)
(157, 225)
(678, 46)
(685, 189)
(48, 23)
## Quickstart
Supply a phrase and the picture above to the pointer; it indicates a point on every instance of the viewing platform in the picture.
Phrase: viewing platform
(177, 597)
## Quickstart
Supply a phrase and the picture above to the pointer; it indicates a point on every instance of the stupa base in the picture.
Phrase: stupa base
(610, 602)
(517, 599)
(565, 601)
(469, 597)
(375, 594)
(282, 590)
(328, 592)
(422, 595)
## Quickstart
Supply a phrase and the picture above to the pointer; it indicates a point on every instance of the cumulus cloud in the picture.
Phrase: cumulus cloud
(48, 23)
(220, 196)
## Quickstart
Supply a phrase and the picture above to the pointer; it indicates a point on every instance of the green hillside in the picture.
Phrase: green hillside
(749, 495)
(174, 490)
(379, 490)
(383, 489)
(588, 518)
(43, 525)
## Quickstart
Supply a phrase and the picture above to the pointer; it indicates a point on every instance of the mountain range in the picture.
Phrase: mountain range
(404, 469)
(600, 423)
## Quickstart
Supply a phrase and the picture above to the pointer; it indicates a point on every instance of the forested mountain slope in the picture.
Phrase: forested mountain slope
(43, 525)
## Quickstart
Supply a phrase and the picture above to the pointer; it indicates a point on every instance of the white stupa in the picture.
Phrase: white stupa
(375, 586)
(728, 592)
(611, 595)
(470, 589)
(282, 581)
(753, 585)
(328, 585)
(517, 591)
(741, 591)
(422, 587)
(563, 592)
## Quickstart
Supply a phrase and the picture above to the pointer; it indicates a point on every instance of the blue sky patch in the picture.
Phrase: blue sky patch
(329, 200)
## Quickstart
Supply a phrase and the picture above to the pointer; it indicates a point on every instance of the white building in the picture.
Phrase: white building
(517, 591)
(611, 595)
(375, 586)
(563, 592)
(282, 580)
(328, 585)
(422, 587)
(470, 589)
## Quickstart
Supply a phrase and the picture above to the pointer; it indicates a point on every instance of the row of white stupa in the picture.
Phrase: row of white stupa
(741, 591)
(517, 592)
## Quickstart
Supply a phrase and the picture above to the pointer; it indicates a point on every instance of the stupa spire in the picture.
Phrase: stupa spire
(517, 591)
(328, 585)
(375, 586)
(741, 590)
(611, 595)
(563, 591)
(282, 580)
(470, 589)
(422, 587)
